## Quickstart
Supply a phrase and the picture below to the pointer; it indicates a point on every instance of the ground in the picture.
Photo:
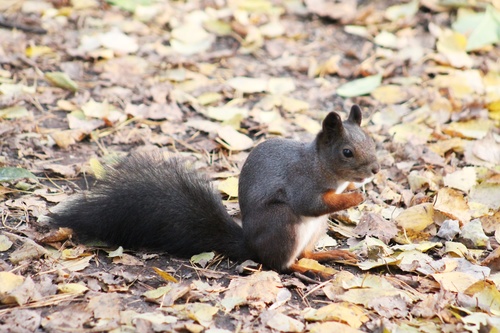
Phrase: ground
(85, 82)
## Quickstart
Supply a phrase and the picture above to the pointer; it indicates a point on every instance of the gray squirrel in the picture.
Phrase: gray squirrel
(287, 189)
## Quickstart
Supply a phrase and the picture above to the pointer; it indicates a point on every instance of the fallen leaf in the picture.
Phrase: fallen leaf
(15, 112)
(455, 281)
(154, 294)
(486, 32)
(258, 287)
(473, 232)
(330, 326)
(372, 224)
(449, 229)
(315, 266)
(229, 186)
(280, 86)
(486, 194)
(463, 179)
(61, 80)
(202, 259)
(8, 174)
(458, 249)
(5, 243)
(118, 42)
(416, 218)
(284, 323)
(389, 94)
(347, 313)
(72, 288)
(453, 46)
(233, 140)
(486, 295)
(403, 11)
(410, 132)
(452, 203)
(248, 84)
(360, 87)
(472, 129)
(8, 282)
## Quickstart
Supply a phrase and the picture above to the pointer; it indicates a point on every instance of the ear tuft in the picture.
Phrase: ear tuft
(355, 116)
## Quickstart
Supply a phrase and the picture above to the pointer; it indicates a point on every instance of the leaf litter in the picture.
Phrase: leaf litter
(84, 82)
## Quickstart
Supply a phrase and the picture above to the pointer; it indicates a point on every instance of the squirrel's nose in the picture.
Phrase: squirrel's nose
(375, 168)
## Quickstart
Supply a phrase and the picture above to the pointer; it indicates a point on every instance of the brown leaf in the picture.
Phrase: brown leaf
(372, 224)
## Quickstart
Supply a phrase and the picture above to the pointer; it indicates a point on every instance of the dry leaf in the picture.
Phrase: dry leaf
(452, 203)
(234, 140)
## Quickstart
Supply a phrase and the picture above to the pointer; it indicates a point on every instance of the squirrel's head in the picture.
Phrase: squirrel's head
(346, 149)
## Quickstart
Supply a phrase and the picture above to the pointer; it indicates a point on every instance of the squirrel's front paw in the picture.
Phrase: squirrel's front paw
(357, 198)
(342, 201)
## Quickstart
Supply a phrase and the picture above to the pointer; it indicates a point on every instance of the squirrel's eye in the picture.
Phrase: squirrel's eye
(347, 153)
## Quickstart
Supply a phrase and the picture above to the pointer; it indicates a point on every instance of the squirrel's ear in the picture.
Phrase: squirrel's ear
(332, 123)
(355, 115)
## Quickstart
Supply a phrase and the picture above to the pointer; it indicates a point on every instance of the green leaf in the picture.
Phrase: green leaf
(487, 32)
(402, 11)
(202, 259)
(129, 5)
(360, 87)
(14, 112)
(9, 174)
(61, 80)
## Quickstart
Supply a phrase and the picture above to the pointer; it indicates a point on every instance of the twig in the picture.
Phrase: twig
(19, 26)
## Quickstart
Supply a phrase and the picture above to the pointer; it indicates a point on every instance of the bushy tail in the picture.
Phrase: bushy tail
(156, 203)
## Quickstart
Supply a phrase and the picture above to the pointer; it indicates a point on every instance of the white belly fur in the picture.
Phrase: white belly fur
(308, 231)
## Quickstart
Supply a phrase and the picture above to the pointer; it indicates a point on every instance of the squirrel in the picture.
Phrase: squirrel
(287, 189)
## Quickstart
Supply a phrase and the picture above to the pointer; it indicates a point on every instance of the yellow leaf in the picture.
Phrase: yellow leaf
(202, 313)
(5, 243)
(9, 281)
(472, 129)
(97, 168)
(72, 288)
(165, 275)
(390, 94)
(351, 314)
(452, 45)
(209, 98)
(294, 105)
(310, 125)
(458, 249)
(443, 146)
(157, 293)
(314, 265)
(452, 203)
(35, 51)
(229, 186)
(416, 218)
(77, 265)
(410, 132)
(74, 253)
(14, 112)
(455, 281)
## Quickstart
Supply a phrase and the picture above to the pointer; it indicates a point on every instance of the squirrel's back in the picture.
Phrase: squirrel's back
(156, 203)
